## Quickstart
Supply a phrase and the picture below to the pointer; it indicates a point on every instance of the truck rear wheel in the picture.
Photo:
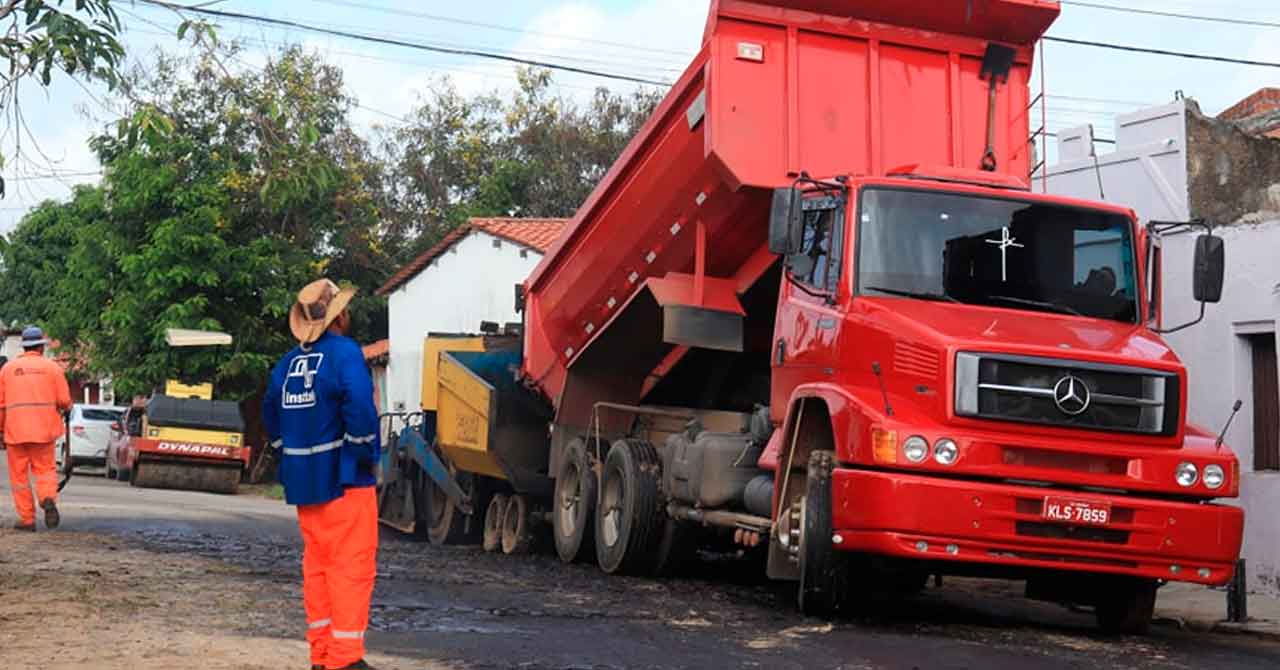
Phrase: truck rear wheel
(574, 503)
(630, 519)
(1126, 608)
(493, 522)
(823, 569)
(446, 522)
(517, 526)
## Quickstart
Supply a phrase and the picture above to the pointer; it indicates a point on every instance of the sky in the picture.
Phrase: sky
(649, 39)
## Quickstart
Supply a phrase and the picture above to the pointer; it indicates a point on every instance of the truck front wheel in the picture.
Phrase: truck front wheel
(823, 569)
(573, 503)
(1126, 607)
(630, 519)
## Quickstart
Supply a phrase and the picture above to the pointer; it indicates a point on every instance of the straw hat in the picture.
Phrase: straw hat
(319, 304)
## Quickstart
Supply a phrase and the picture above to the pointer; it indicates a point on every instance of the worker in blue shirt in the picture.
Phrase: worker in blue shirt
(319, 412)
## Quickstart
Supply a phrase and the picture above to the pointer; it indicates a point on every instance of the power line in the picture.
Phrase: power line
(1157, 52)
(476, 69)
(55, 175)
(646, 71)
(1105, 101)
(406, 44)
(492, 26)
(1174, 15)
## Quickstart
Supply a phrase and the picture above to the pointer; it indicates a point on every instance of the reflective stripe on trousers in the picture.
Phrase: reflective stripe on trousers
(26, 460)
(339, 565)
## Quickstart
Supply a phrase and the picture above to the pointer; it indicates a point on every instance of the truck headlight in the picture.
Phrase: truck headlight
(1214, 477)
(916, 449)
(946, 452)
(1187, 475)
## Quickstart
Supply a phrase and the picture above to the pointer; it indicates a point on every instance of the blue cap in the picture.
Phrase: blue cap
(32, 336)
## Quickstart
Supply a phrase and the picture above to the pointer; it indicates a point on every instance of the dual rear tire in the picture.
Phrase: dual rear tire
(621, 515)
(509, 525)
(573, 504)
(630, 520)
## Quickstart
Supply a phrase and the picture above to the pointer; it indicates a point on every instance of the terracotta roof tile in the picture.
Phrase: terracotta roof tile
(537, 234)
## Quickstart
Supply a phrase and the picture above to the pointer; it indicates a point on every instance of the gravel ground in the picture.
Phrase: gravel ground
(145, 580)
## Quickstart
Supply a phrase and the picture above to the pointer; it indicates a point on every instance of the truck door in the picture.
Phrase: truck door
(809, 319)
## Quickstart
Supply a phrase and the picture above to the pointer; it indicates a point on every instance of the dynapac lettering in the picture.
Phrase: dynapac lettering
(196, 449)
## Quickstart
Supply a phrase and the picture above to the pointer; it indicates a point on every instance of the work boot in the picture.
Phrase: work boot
(27, 527)
(358, 665)
(51, 516)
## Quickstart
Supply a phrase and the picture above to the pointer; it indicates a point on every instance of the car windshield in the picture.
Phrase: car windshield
(107, 415)
(996, 252)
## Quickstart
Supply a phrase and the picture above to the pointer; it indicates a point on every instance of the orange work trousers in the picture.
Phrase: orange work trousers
(37, 461)
(339, 564)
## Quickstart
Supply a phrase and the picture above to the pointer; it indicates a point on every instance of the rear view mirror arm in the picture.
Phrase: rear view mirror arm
(1167, 331)
(1159, 228)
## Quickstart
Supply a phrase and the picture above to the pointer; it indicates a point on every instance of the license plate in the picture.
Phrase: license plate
(1076, 511)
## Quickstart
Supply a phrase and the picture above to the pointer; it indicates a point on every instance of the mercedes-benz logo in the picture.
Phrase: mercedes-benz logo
(1071, 395)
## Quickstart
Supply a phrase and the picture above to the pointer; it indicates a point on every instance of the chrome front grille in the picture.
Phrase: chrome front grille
(1067, 393)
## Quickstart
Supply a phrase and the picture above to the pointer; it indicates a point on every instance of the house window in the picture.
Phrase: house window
(497, 244)
(524, 253)
(1266, 403)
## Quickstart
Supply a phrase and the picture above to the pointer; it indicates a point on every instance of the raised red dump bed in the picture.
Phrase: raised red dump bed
(828, 87)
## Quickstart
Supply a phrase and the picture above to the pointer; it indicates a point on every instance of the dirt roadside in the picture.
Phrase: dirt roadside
(73, 600)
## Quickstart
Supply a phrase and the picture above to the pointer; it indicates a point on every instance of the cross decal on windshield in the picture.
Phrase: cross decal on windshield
(1006, 240)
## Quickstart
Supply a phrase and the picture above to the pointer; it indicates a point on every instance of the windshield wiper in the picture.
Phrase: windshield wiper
(1052, 306)
(937, 297)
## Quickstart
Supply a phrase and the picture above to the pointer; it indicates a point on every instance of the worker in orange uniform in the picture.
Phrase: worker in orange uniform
(319, 413)
(33, 397)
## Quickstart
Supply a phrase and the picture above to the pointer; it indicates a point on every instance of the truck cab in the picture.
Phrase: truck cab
(984, 365)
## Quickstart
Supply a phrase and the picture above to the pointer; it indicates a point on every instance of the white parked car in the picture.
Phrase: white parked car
(88, 429)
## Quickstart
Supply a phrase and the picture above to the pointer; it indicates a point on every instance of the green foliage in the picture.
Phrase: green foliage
(225, 192)
(78, 38)
(223, 195)
(535, 153)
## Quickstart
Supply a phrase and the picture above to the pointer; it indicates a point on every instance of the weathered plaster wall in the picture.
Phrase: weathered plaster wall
(1231, 175)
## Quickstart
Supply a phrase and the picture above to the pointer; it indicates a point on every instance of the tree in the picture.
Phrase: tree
(35, 255)
(44, 36)
(535, 153)
(226, 192)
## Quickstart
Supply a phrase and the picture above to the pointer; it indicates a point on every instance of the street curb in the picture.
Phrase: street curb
(1267, 630)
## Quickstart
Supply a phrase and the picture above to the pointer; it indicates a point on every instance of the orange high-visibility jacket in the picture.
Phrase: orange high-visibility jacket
(33, 393)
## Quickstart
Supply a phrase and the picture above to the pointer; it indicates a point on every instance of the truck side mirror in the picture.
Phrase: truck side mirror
(784, 222)
(1210, 268)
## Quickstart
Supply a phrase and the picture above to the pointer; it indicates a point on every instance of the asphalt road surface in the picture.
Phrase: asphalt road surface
(458, 607)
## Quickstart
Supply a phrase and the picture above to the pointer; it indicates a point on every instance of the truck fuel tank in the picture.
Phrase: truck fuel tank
(711, 471)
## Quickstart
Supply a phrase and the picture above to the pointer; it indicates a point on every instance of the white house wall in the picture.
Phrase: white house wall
(473, 281)
(1220, 366)
(1146, 170)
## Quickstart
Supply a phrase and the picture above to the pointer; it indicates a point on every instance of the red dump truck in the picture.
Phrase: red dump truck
(815, 309)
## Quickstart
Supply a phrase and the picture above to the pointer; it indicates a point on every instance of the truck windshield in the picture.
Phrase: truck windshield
(996, 252)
